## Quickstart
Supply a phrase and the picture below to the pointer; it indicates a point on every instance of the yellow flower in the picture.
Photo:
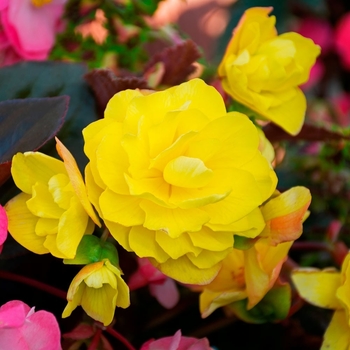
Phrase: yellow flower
(251, 273)
(98, 288)
(262, 70)
(173, 175)
(51, 215)
(329, 289)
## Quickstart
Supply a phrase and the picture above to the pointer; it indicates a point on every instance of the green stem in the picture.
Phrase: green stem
(105, 235)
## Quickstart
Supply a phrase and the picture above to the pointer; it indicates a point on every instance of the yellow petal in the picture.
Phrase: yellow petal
(172, 221)
(176, 247)
(124, 210)
(74, 301)
(344, 290)
(318, 287)
(120, 234)
(187, 172)
(32, 167)
(100, 303)
(210, 301)
(184, 271)
(207, 259)
(143, 242)
(22, 223)
(117, 106)
(337, 335)
(71, 228)
(76, 180)
(42, 204)
(210, 240)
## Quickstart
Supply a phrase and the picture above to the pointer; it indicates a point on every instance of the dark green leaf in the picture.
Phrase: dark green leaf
(48, 79)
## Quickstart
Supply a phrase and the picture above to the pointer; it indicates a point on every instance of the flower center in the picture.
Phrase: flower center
(39, 3)
(187, 172)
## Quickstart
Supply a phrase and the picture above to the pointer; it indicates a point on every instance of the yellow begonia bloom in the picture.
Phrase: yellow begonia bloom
(173, 175)
(98, 288)
(329, 289)
(262, 70)
(51, 215)
(252, 273)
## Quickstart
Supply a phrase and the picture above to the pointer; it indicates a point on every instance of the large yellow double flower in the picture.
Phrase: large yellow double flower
(174, 175)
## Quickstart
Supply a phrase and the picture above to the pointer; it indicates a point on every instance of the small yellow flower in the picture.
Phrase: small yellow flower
(51, 215)
(251, 273)
(98, 288)
(329, 289)
(262, 70)
(173, 175)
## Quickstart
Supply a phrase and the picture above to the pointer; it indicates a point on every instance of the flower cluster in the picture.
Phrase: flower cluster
(182, 177)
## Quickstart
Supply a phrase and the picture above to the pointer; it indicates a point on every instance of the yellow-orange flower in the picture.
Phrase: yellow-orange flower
(262, 70)
(51, 215)
(329, 289)
(98, 288)
(173, 175)
(251, 273)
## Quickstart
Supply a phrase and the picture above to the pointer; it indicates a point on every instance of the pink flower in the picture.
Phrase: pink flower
(3, 227)
(320, 31)
(177, 342)
(342, 40)
(28, 29)
(21, 328)
(161, 287)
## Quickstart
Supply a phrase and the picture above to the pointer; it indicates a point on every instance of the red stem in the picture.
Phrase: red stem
(118, 336)
(96, 339)
(33, 283)
(310, 246)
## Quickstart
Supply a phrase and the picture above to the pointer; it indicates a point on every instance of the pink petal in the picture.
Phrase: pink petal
(41, 331)
(31, 30)
(3, 226)
(137, 280)
(342, 39)
(166, 293)
(3, 4)
(151, 273)
(13, 314)
(82, 331)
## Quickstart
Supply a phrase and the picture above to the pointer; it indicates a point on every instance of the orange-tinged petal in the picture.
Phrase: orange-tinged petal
(76, 180)
(284, 215)
(318, 287)
(337, 335)
(22, 223)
